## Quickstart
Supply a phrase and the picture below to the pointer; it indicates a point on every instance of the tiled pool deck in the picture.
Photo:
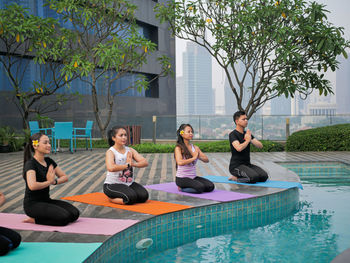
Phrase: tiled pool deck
(87, 171)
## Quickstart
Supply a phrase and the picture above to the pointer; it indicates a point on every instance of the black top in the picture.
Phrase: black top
(242, 157)
(40, 172)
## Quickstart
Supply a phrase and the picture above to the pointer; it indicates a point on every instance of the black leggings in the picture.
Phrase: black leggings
(200, 184)
(51, 212)
(249, 173)
(134, 193)
(9, 239)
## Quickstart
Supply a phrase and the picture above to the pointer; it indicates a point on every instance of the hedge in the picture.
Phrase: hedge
(329, 138)
(215, 146)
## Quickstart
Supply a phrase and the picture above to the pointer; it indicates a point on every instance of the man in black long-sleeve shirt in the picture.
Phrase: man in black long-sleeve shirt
(240, 167)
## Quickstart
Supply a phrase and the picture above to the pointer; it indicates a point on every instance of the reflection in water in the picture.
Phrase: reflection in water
(318, 232)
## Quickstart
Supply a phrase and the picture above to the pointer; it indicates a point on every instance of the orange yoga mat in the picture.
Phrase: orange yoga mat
(150, 207)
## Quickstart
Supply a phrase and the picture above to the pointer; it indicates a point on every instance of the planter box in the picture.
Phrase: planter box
(4, 148)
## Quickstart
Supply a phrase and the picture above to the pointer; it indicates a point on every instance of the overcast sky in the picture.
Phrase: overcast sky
(339, 16)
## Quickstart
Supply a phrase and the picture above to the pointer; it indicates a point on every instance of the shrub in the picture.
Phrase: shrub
(215, 146)
(154, 148)
(8, 140)
(269, 146)
(329, 138)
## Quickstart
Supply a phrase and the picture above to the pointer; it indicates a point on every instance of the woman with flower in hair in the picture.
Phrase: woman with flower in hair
(186, 156)
(39, 173)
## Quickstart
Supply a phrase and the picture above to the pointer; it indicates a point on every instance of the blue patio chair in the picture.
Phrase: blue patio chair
(34, 128)
(63, 130)
(87, 134)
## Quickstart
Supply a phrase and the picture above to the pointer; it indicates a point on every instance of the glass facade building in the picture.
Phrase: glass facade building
(130, 108)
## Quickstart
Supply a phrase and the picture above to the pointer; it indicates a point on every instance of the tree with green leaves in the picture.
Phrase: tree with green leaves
(29, 42)
(267, 48)
(107, 47)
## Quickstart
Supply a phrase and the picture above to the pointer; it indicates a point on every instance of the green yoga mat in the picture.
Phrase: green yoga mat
(50, 252)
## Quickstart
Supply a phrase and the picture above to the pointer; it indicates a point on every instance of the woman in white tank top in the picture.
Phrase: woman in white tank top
(119, 185)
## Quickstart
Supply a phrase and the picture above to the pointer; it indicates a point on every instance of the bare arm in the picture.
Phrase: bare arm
(240, 146)
(201, 155)
(180, 161)
(257, 143)
(111, 165)
(62, 177)
(34, 185)
(140, 160)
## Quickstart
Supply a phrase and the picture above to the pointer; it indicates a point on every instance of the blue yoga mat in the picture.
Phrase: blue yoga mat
(268, 183)
(50, 252)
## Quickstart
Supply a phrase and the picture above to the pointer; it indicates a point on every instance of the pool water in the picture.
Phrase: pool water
(318, 232)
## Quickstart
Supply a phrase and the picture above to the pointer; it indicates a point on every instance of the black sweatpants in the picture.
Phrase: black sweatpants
(249, 173)
(9, 239)
(200, 184)
(51, 212)
(134, 193)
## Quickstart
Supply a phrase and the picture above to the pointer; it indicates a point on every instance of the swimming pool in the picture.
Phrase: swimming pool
(175, 229)
(318, 232)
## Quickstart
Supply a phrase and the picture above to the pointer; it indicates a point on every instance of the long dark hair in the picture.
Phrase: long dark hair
(112, 132)
(180, 141)
(29, 149)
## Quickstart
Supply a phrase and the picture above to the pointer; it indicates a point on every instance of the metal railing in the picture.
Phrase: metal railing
(218, 127)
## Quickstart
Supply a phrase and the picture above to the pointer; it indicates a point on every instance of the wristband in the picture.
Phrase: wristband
(129, 165)
(55, 181)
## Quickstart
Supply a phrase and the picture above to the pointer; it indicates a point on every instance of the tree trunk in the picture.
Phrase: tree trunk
(101, 126)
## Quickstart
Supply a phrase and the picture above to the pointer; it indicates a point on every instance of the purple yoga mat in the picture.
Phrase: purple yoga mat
(216, 195)
(84, 225)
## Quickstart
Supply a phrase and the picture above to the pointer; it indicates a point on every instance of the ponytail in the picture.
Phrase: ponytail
(28, 149)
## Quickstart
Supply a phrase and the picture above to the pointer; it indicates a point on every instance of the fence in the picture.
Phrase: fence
(267, 127)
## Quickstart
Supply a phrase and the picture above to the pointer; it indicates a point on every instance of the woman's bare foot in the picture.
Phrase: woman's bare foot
(232, 178)
(29, 220)
(118, 201)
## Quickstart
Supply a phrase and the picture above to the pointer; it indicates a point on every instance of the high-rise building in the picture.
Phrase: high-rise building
(281, 105)
(343, 86)
(198, 95)
(130, 108)
(299, 104)
(180, 96)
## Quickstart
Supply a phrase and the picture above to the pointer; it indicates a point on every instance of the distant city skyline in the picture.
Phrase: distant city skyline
(195, 95)
(338, 15)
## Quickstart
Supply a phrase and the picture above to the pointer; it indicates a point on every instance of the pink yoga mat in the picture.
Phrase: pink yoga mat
(216, 195)
(84, 225)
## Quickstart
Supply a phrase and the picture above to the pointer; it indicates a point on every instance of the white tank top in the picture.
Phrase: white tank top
(119, 177)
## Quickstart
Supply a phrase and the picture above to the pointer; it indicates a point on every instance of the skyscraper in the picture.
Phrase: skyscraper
(281, 105)
(198, 95)
(343, 86)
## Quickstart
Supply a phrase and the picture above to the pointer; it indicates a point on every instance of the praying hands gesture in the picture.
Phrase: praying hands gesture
(248, 135)
(51, 176)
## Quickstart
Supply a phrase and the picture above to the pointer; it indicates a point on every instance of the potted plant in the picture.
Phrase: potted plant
(7, 139)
